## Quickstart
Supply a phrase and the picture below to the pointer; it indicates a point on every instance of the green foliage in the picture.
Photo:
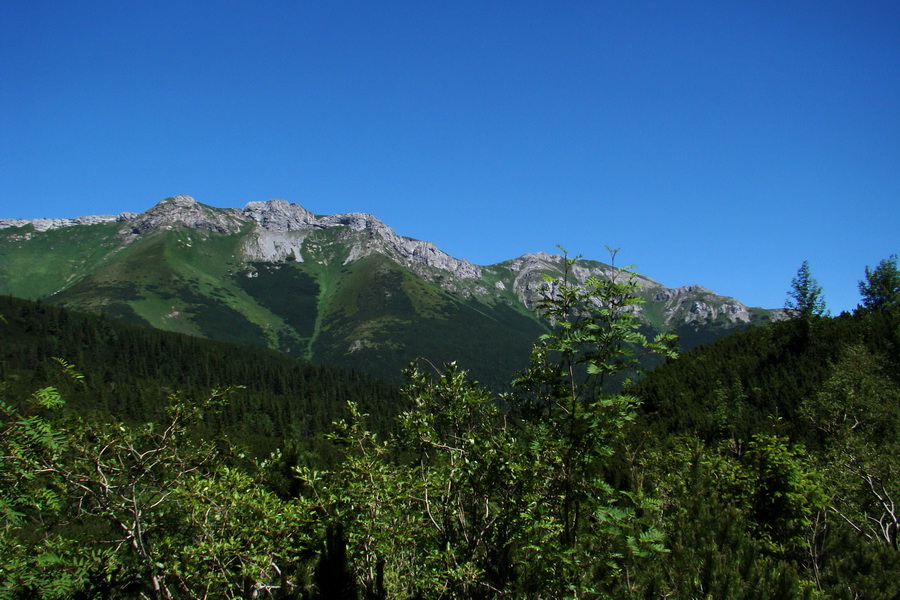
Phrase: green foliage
(367, 496)
(782, 491)
(242, 537)
(29, 493)
(848, 566)
(881, 288)
(563, 487)
(574, 419)
(731, 387)
(108, 509)
(485, 491)
(857, 413)
(805, 299)
(714, 548)
(594, 324)
(27, 436)
(809, 495)
(478, 496)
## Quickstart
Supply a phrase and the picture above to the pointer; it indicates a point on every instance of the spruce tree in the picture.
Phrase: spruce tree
(805, 299)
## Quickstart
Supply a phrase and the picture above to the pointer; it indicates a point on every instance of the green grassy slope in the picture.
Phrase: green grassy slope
(36, 265)
(369, 314)
(180, 280)
(380, 317)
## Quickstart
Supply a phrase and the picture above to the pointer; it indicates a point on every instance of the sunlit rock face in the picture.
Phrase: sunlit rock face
(696, 304)
(276, 218)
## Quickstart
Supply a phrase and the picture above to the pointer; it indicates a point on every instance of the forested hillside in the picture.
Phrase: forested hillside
(733, 386)
(779, 447)
(761, 466)
(130, 370)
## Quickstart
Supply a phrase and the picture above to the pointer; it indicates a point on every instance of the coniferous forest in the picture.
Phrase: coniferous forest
(143, 464)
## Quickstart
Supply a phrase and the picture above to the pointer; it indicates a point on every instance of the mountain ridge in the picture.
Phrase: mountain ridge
(343, 288)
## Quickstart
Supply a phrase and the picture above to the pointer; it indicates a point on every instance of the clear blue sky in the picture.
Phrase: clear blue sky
(719, 143)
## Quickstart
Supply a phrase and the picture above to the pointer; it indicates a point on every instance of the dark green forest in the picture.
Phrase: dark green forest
(130, 370)
(143, 464)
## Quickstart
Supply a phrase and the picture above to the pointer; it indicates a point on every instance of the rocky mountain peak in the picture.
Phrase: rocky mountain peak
(183, 211)
(181, 201)
(279, 215)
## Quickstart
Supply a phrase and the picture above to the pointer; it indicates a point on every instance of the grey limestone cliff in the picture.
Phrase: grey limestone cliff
(696, 304)
(283, 228)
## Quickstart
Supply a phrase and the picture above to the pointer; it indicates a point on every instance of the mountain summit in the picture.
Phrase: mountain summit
(341, 289)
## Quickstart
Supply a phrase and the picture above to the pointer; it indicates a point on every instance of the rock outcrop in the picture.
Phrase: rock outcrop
(279, 215)
(692, 304)
(48, 224)
(284, 227)
(686, 305)
(186, 212)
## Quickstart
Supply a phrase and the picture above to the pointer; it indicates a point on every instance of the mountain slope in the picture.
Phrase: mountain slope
(337, 289)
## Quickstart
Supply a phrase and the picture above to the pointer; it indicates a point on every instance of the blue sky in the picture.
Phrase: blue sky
(718, 143)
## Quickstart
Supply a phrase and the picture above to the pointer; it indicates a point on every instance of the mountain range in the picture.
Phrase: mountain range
(343, 290)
